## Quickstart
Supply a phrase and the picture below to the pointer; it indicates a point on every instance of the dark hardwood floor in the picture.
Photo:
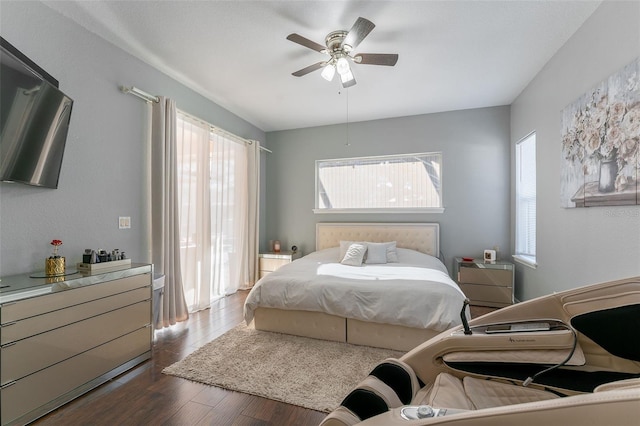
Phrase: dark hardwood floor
(145, 396)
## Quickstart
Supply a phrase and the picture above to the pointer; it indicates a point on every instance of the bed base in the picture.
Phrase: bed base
(323, 326)
(317, 325)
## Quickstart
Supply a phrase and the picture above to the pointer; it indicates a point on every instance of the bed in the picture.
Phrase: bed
(396, 305)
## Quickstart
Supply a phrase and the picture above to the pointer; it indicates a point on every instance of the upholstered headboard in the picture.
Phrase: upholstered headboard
(422, 237)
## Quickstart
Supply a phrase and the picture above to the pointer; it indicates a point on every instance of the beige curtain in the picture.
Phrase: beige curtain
(165, 237)
(217, 230)
(253, 217)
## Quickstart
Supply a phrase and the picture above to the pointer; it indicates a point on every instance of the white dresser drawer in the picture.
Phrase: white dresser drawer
(488, 295)
(271, 265)
(39, 324)
(269, 262)
(494, 277)
(15, 311)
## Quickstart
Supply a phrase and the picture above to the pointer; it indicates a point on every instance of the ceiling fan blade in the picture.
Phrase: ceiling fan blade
(361, 28)
(388, 59)
(310, 68)
(297, 38)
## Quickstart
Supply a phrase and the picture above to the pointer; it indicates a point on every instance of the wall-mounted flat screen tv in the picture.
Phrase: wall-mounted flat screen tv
(34, 121)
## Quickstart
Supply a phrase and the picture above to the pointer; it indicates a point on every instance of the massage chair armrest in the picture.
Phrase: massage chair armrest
(550, 346)
(406, 416)
(617, 407)
(619, 385)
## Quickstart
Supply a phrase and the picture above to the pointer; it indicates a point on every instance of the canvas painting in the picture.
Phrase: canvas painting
(601, 143)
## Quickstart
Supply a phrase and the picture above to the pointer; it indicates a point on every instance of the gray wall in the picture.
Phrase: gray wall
(475, 147)
(103, 170)
(581, 246)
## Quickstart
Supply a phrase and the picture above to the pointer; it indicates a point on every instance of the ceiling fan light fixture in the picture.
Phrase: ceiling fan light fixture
(346, 77)
(342, 65)
(328, 72)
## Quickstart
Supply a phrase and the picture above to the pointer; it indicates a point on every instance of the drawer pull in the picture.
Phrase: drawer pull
(6, 385)
(9, 324)
(8, 344)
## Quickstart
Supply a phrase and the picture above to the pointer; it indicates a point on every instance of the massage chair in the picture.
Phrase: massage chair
(570, 358)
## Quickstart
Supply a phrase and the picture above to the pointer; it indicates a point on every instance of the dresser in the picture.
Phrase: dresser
(61, 337)
(269, 262)
(485, 283)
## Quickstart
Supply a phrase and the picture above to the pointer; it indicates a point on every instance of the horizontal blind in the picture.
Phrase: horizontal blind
(384, 182)
(526, 196)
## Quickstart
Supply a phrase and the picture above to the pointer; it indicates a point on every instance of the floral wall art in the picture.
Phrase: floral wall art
(601, 143)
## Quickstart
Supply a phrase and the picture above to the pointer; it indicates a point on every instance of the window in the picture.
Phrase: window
(397, 183)
(526, 200)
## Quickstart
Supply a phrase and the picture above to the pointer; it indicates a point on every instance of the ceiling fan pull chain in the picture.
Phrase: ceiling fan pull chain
(347, 144)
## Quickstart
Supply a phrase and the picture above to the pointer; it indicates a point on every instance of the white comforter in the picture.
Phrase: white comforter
(415, 292)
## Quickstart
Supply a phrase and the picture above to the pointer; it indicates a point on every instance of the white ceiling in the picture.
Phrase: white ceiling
(452, 54)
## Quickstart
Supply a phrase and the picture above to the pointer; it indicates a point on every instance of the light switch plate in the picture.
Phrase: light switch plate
(124, 222)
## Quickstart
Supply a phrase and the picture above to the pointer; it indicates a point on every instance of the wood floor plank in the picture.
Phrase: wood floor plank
(190, 414)
(286, 414)
(211, 396)
(261, 408)
(228, 410)
(248, 421)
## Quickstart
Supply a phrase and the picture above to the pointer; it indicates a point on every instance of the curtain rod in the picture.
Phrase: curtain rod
(140, 94)
(223, 132)
(151, 98)
(262, 148)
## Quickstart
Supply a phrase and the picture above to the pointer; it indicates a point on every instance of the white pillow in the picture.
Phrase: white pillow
(354, 255)
(392, 253)
(344, 246)
(376, 253)
(376, 249)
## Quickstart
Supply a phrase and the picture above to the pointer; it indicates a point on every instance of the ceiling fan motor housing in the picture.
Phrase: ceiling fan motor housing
(334, 42)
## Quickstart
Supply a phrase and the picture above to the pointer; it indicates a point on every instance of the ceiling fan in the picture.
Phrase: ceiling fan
(339, 47)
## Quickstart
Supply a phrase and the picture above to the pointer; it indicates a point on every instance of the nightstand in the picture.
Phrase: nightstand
(485, 284)
(269, 262)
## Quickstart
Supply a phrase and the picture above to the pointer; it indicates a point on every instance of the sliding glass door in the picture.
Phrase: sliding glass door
(213, 200)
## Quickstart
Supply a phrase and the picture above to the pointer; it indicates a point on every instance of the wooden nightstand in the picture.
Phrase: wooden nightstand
(485, 284)
(269, 262)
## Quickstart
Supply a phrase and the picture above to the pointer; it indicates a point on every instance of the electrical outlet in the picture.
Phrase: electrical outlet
(124, 222)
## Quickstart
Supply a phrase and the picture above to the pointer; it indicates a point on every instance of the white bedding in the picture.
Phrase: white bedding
(415, 292)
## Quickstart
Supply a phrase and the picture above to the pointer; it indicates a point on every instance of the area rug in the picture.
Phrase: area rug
(310, 373)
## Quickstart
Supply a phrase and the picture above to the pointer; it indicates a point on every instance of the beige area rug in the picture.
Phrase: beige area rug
(310, 373)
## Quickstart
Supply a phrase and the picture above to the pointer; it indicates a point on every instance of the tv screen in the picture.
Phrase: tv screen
(34, 122)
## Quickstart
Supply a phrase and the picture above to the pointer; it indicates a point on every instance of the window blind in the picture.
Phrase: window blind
(408, 181)
(526, 196)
